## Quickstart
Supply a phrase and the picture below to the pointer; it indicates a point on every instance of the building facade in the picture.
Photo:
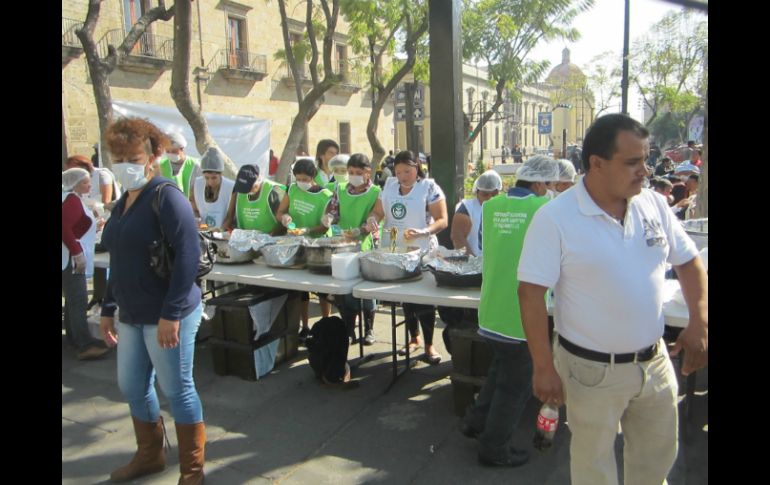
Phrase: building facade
(234, 72)
(573, 102)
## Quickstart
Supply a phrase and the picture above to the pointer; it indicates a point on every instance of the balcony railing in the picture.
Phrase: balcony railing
(68, 37)
(350, 77)
(241, 59)
(149, 45)
(304, 72)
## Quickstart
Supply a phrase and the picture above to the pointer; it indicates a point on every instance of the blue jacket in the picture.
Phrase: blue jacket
(142, 296)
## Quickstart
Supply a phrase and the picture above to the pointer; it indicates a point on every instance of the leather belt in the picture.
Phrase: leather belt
(641, 356)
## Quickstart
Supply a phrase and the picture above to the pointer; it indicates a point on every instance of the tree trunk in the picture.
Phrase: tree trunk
(100, 69)
(309, 103)
(702, 207)
(180, 84)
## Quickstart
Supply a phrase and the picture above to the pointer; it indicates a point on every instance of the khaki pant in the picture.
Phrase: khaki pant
(642, 397)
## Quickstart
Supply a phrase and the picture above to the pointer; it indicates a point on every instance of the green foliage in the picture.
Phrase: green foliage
(501, 34)
(668, 63)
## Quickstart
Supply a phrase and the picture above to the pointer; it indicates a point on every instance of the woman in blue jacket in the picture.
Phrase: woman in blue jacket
(158, 317)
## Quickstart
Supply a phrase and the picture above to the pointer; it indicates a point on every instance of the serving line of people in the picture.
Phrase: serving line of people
(159, 318)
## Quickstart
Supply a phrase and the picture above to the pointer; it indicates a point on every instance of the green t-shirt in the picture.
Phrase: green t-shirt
(257, 215)
(504, 224)
(182, 178)
(355, 208)
(307, 208)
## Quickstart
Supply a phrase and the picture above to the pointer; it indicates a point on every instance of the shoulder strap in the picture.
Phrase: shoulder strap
(156, 203)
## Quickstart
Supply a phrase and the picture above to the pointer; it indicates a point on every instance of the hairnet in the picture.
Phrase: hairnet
(340, 160)
(488, 181)
(538, 168)
(687, 167)
(566, 171)
(213, 160)
(177, 139)
(71, 177)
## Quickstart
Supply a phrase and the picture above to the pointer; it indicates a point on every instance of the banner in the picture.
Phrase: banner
(244, 139)
(544, 123)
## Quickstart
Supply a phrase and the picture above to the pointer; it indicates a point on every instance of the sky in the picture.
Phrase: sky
(608, 16)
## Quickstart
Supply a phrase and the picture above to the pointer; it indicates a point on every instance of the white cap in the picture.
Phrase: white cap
(71, 177)
(340, 160)
(488, 182)
(566, 171)
(687, 167)
(539, 168)
(177, 140)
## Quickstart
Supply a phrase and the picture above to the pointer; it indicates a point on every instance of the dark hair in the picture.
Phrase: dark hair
(665, 159)
(695, 177)
(661, 183)
(679, 192)
(690, 143)
(602, 135)
(408, 158)
(321, 148)
(524, 184)
(304, 167)
(675, 179)
(359, 160)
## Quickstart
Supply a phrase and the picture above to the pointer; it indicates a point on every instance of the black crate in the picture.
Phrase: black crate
(471, 354)
(232, 321)
(237, 358)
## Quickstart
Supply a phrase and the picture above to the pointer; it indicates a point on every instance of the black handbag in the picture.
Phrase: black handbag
(161, 253)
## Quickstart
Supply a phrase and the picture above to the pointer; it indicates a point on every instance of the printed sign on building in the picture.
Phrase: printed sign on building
(544, 123)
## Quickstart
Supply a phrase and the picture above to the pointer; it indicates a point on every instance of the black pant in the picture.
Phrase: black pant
(426, 314)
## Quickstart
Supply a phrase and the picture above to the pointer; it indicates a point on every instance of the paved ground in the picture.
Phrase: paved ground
(287, 428)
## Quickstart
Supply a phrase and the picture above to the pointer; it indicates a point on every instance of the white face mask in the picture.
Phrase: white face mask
(356, 180)
(130, 175)
(550, 194)
(305, 186)
(341, 177)
(173, 157)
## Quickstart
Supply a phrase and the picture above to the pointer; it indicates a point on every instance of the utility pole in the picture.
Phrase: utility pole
(624, 82)
(411, 136)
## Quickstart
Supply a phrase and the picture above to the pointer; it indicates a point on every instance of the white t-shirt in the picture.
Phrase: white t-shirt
(473, 211)
(99, 178)
(409, 211)
(213, 213)
(607, 277)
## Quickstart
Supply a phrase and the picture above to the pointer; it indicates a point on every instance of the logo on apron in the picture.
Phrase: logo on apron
(398, 210)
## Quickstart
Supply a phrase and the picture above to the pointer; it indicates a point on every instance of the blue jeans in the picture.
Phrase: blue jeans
(140, 357)
(501, 401)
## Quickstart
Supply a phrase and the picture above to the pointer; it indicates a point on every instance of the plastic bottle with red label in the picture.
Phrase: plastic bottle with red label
(547, 422)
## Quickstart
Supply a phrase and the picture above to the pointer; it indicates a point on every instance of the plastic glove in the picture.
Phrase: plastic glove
(79, 263)
(371, 225)
(412, 233)
(286, 220)
(327, 220)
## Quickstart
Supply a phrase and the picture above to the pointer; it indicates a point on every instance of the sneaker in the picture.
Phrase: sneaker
(303, 335)
(369, 338)
(93, 352)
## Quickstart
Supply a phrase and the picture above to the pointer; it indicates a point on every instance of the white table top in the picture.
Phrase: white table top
(422, 291)
(426, 292)
(289, 279)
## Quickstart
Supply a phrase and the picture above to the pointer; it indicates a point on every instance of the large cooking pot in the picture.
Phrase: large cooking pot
(382, 265)
(225, 253)
(318, 252)
(286, 252)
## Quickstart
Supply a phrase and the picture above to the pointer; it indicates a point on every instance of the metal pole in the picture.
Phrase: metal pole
(624, 82)
(564, 143)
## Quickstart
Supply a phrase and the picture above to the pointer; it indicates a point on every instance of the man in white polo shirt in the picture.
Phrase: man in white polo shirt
(603, 246)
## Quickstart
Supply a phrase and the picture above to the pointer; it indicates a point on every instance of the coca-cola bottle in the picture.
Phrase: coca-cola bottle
(547, 421)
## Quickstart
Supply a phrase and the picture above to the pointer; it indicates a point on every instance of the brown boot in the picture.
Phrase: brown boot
(191, 439)
(149, 457)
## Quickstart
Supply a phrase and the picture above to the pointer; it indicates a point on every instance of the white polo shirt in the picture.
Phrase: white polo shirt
(607, 277)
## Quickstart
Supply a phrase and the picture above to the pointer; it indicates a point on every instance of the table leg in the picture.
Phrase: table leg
(354, 364)
(394, 325)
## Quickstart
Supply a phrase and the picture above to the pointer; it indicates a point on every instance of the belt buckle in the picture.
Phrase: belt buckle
(636, 357)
